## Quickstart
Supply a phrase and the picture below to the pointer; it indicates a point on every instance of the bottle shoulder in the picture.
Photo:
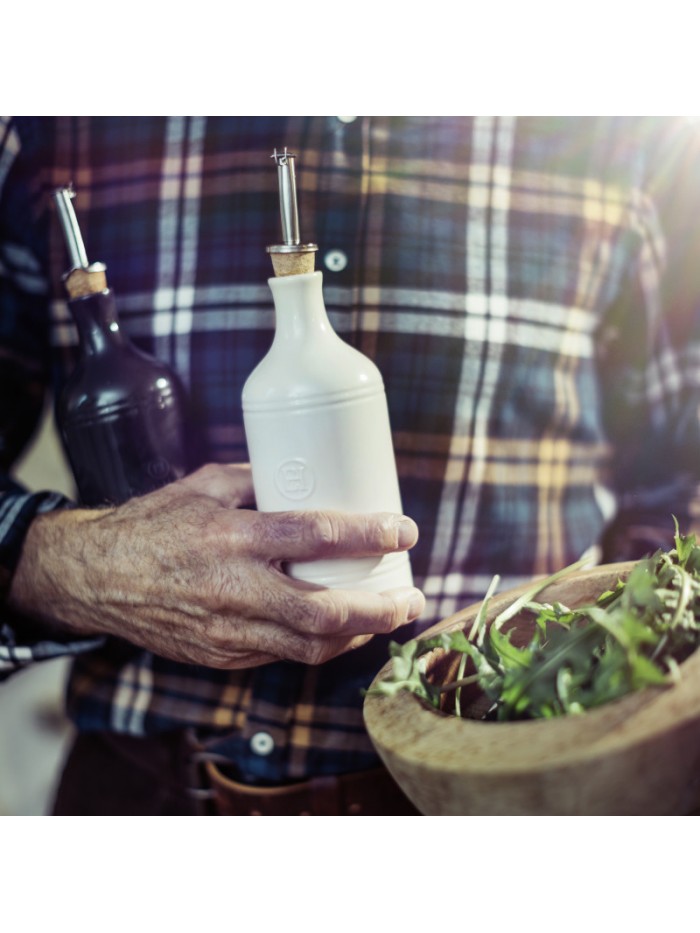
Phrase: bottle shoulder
(122, 376)
(317, 370)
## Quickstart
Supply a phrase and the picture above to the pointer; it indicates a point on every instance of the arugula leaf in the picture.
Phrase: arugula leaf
(684, 545)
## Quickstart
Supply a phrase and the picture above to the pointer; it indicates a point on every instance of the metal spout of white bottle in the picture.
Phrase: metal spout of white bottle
(317, 427)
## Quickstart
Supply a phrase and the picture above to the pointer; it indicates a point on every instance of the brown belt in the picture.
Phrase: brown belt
(365, 793)
(176, 774)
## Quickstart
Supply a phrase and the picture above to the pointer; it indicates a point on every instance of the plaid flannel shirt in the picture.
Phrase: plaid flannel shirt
(529, 289)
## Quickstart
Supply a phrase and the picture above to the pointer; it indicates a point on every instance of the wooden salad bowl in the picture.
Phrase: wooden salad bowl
(636, 755)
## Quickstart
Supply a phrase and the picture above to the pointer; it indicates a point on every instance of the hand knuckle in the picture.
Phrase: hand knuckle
(325, 528)
(388, 616)
(218, 637)
(285, 525)
(317, 653)
(311, 528)
(328, 613)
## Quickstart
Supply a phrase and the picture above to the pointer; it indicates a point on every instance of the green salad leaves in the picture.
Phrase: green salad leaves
(633, 636)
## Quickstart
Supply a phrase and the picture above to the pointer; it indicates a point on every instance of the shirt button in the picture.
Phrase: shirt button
(335, 260)
(347, 119)
(262, 743)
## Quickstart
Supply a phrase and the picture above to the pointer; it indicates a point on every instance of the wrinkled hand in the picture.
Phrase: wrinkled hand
(187, 573)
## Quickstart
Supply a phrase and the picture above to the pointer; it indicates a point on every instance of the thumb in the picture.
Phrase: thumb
(230, 483)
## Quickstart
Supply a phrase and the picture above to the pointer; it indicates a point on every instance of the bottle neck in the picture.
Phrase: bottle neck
(300, 312)
(97, 321)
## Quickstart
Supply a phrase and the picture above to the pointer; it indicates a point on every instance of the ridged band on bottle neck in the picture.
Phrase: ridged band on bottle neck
(315, 401)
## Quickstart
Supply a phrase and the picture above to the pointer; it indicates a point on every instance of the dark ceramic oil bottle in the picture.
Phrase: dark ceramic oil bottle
(121, 414)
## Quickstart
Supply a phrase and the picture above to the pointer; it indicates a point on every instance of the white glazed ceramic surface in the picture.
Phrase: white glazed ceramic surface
(318, 433)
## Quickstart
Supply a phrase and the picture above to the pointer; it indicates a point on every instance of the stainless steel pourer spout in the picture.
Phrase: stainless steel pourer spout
(289, 213)
(82, 278)
(69, 225)
(291, 256)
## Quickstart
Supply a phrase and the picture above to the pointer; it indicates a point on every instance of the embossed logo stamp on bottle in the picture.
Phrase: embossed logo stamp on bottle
(295, 479)
(159, 469)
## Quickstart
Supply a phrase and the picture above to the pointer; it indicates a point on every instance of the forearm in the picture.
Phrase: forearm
(30, 630)
(57, 579)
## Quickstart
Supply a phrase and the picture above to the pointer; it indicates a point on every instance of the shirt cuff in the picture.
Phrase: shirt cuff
(24, 641)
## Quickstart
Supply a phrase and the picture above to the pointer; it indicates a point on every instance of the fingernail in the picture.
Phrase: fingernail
(412, 599)
(407, 532)
(416, 604)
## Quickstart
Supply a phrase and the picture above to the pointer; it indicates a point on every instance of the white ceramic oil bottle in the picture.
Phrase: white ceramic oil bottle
(315, 414)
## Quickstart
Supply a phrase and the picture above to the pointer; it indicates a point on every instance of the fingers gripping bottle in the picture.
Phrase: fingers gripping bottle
(315, 414)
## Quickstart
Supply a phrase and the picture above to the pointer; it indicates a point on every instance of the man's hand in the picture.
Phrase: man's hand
(187, 573)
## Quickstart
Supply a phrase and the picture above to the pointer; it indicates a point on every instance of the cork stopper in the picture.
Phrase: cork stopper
(81, 282)
(296, 263)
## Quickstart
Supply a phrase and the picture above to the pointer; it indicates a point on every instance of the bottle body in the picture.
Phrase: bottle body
(318, 432)
(121, 413)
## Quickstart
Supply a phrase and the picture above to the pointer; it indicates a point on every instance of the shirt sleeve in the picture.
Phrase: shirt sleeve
(650, 365)
(24, 368)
